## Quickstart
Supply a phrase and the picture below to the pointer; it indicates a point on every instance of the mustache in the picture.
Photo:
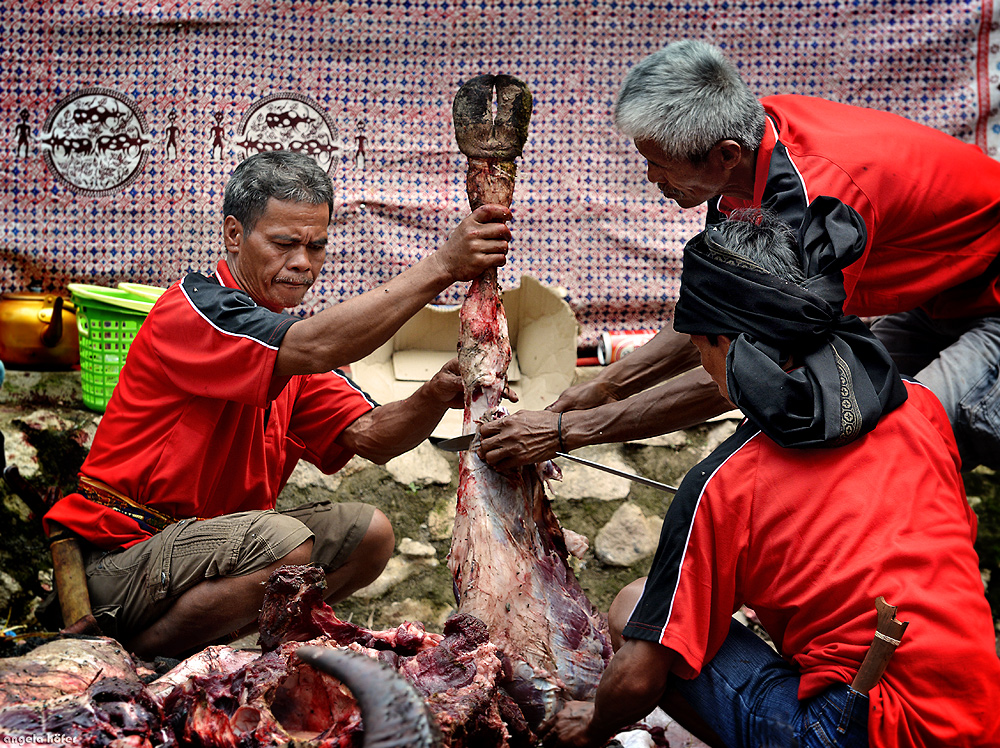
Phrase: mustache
(304, 280)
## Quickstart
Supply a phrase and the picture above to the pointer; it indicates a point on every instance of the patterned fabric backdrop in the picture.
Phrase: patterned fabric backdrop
(124, 119)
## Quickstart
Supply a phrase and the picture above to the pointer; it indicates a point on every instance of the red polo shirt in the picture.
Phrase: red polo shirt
(930, 203)
(809, 538)
(198, 425)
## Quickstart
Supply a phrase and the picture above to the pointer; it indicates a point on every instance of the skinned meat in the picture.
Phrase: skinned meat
(508, 555)
(269, 701)
(218, 658)
(459, 680)
(78, 691)
(294, 610)
(63, 667)
(509, 560)
(82, 691)
(90, 694)
(111, 712)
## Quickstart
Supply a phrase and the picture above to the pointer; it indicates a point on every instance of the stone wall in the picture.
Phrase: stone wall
(48, 433)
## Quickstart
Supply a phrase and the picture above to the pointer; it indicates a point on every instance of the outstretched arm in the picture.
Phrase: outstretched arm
(397, 427)
(631, 687)
(666, 355)
(350, 330)
(533, 436)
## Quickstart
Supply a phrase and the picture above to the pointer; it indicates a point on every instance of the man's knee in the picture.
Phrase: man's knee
(379, 541)
(298, 556)
(366, 562)
(622, 607)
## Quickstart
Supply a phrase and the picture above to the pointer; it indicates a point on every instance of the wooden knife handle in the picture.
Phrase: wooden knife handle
(888, 635)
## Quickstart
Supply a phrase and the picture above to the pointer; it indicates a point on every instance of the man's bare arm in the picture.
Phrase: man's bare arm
(350, 330)
(397, 427)
(533, 436)
(665, 356)
(630, 688)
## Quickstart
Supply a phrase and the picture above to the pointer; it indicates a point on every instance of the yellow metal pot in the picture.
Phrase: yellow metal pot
(38, 330)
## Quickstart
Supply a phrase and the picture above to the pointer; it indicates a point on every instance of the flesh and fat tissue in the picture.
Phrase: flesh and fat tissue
(508, 555)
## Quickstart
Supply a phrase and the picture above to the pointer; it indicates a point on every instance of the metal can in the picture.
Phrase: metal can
(615, 345)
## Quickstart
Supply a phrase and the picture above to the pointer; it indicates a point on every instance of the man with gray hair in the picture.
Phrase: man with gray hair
(222, 394)
(928, 265)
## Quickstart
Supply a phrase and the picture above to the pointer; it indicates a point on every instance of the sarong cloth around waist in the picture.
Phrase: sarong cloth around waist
(103, 494)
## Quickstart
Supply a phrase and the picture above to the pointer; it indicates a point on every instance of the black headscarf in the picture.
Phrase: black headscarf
(843, 380)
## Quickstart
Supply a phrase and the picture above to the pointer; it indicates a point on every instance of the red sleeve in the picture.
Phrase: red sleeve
(696, 573)
(326, 405)
(205, 317)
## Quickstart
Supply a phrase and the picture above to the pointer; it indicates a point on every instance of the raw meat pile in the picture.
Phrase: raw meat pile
(89, 691)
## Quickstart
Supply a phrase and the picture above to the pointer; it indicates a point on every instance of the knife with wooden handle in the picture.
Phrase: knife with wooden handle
(888, 634)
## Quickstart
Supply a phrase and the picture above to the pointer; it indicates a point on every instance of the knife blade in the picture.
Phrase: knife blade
(462, 443)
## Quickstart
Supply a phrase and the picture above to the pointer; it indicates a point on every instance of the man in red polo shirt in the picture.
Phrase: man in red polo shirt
(807, 538)
(929, 205)
(220, 397)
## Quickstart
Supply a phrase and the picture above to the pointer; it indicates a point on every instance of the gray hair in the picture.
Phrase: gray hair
(763, 240)
(687, 97)
(283, 175)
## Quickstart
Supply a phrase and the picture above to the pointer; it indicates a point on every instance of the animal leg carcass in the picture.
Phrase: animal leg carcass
(508, 556)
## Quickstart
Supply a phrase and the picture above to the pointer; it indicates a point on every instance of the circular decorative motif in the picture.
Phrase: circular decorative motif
(95, 141)
(292, 122)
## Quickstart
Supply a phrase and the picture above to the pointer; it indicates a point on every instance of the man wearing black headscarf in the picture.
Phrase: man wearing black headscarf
(807, 538)
(842, 380)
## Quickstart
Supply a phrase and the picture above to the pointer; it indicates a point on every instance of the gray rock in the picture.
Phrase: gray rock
(17, 451)
(408, 609)
(441, 520)
(307, 484)
(424, 465)
(673, 440)
(719, 433)
(306, 475)
(583, 482)
(628, 537)
(42, 387)
(9, 589)
(398, 570)
(415, 549)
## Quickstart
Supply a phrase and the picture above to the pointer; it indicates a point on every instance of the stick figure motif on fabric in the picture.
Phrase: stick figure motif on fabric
(23, 132)
(360, 139)
(95, 141)
(171, 132)
(292, 122)
(217, 133)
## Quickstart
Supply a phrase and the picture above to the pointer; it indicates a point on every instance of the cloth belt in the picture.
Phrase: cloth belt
(103, 494)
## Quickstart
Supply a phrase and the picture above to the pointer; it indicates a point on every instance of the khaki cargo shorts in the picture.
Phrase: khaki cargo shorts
(130, 588)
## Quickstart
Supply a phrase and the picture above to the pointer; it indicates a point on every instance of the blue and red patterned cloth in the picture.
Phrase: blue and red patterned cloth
(123, 120)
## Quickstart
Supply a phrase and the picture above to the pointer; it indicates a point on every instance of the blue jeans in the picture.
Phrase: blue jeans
(959, 361)
(749, 696)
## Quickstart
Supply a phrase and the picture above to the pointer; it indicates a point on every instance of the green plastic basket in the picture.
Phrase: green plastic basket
(108, 320)
(150, 293)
